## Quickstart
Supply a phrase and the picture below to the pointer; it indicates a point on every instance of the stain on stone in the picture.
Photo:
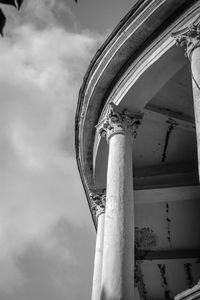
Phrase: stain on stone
(164, 283)
(162, 269)
(145, 238)
(170, 128)
(136, 124)
(137, 274)
(188, 274)
(167, 295)
(139, 280)
(168, 225)
(169, 239)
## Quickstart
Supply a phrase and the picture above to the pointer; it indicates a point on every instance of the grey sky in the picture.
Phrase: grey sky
(100, 16)
(46, 233)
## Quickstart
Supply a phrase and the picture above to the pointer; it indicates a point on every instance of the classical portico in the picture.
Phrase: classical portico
(138, 152)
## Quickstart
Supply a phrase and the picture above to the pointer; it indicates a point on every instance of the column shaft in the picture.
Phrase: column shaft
(96, 287)
(195, 70)
(189, 37)
(118, 255)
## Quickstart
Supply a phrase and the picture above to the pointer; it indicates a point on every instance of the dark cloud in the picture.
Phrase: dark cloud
(49, 276)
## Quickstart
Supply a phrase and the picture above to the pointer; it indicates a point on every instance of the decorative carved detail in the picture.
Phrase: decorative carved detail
(188, 37)
(98, 202)
(119, 120)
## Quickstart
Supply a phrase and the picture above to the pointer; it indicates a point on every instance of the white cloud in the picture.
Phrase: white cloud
(40, 74)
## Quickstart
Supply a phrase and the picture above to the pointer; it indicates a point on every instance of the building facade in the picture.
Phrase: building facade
(138, 151)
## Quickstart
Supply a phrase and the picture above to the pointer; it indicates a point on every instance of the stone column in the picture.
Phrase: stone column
(119, 127)
(98, 209)
(189, 38)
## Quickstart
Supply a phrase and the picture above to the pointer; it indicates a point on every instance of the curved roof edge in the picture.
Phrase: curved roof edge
(90, 70)
(171, 10)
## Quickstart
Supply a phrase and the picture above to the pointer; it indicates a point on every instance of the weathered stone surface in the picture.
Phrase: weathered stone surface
(118, 253)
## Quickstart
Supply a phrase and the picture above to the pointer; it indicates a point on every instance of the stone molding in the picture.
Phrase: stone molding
(192, 293)
(98, 203)
(189, 37)
(119, 120)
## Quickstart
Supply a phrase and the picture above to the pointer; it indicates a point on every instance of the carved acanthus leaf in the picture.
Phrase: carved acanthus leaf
(97, 201)
(189, 37)
(119, 120)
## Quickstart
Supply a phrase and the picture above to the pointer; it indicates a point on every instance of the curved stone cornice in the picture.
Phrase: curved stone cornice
(98, 203)
(189, 37)
(141, 28)
(118, 120)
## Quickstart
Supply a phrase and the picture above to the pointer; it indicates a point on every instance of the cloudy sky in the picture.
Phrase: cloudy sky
(47, 237)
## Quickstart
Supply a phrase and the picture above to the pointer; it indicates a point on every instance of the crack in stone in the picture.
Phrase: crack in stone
(168, 134)
(168, 225)
(162, 269)
(188, 273)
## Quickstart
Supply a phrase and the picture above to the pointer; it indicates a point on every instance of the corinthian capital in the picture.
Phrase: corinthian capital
(98, 202)
(189, 37)
(119, 120)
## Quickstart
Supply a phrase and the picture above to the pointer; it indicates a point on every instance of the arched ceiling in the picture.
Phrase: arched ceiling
(164, 151)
